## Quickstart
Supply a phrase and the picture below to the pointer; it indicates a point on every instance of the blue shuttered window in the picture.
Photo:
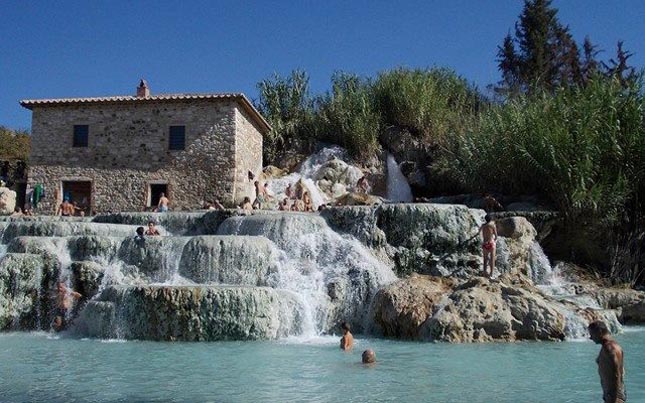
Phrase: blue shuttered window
(81, 133)
(177, 138)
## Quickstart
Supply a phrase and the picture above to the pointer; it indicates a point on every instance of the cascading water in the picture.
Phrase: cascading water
(552, 283)
(398, 189)
(333, 276)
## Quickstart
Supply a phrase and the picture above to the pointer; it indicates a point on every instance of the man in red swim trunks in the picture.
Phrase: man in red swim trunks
(489, 235)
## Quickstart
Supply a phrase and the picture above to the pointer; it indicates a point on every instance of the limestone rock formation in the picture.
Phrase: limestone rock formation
(243, 260)
(336, 178)
(7, 201)
(479, 310)
(200, 313)
(26, 302)
(401, 308)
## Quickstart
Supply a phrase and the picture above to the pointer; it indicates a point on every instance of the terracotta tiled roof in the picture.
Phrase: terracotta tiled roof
(241, 98)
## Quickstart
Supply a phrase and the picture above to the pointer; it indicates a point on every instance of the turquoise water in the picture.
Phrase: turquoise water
(37, 367)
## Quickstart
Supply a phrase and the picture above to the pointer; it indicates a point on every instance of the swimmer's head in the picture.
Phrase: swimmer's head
(369, 356)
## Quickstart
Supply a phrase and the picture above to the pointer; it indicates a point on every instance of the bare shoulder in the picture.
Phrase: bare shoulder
(613, 348)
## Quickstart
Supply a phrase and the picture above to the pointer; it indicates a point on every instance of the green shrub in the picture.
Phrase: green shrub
(14, 145)
(346, 116)
(581, 148)
(431, 104)
(287, 105)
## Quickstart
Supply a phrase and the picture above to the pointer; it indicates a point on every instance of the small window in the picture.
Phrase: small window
(177, 138)
(80, 135)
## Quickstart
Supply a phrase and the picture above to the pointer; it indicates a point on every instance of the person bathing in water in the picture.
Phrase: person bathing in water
(347, 341)
(152, 229)
(610, 364)
(64, 299)
(489, 244)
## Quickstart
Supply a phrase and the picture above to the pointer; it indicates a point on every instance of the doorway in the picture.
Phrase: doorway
(21, 190)
(79, 193)
(156, 189)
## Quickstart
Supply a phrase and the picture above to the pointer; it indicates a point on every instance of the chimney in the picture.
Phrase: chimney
(142, 90)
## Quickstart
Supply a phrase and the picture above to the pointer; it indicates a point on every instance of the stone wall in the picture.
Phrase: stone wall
(128, 149)
(248, 154)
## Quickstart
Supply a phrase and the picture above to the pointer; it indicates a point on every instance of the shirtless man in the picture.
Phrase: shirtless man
(64, 299)
(66, 209)
(489, 235)
(610, 364)
(152, 229)
(162, 206)
(347, 341)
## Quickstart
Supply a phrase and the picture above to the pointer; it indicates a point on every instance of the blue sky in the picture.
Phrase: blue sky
(53, 49)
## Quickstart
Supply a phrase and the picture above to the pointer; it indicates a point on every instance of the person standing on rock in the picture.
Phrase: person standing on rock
(489, 244)
(610, 364)
(347, 341)
(162, 207)
(260, 196)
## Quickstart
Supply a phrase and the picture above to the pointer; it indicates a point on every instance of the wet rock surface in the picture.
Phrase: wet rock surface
(479, 310)
(201, 313)
(26, 302)
(272, 274)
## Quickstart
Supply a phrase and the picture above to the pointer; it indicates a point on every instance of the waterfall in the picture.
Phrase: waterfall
(551, 281)
(333, 276)
(398, 189)
(539, 267)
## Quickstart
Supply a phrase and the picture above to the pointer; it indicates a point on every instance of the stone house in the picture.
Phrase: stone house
(120, 153)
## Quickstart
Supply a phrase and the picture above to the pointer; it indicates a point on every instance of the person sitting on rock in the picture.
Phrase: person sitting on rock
(362, 185)
(284, 205)
(66, 209)
(489, 244)
(152, 229)
(216, 205)
(64, 299)
(267, 192)
(347, 341)
(289, 192)
(306, 200)
(17, 212)
(491, 204)
(246, 204)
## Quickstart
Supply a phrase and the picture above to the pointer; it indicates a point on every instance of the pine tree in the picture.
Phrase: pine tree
(590, 65)
(619, 68)
(547, 56)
